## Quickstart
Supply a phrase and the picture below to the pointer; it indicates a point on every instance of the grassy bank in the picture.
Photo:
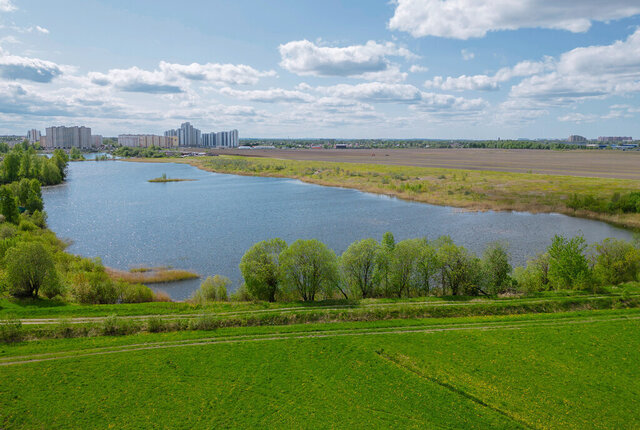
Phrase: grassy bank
(164, 178)
(469, 189)
(409, 374)
(150, 275)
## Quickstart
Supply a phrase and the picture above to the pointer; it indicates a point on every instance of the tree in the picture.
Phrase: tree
(496, 267)
(50, 173)
(61, 159)
(615, 261)
(29, 268)
(403, 264)
(260, 268)
(358, 266)
(383, 263)
(568, 266)
(212, 289)
(11, 166)
(427, 266)
(459, 269)
(309, 267)
(8, 205)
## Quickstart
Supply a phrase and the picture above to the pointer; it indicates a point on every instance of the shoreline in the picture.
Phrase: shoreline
(627, 221)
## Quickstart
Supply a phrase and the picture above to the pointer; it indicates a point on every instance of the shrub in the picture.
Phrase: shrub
(94, 288)
(155, 324)
(29, 268)
(212, 289)
(241, 294)
(26, 225)
(615, 261)
(134, 293)
(161, 296)
(568, 266)
(7, 231)
(11, 330)
(308, 267)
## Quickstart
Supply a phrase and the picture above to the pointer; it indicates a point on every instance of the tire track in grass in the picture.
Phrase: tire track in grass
(405, 363)
(517, 325)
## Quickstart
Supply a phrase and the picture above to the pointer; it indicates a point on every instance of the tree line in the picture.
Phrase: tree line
(307, 269)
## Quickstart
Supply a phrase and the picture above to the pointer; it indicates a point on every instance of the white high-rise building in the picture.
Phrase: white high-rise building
(68, 137)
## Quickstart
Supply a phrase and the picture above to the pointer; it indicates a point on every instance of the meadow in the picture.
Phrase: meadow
(570, 370)
(466, 188)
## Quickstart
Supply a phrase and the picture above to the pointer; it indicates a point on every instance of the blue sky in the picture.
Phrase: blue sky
(304, 68)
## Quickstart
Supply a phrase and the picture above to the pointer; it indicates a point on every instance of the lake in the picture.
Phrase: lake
(108, 209)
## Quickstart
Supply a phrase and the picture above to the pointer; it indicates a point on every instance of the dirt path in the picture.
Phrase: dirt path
(84, 320)
(510, 325)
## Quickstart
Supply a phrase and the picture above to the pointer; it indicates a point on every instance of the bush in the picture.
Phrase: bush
(29, 268)
(155, 324)
(615, 261)
(212, 289)
(568, 265)
(7, 231)
(11, 330)
(26, 225)
(134, 293)
(496, 268)
(94, 288)
(307, 268)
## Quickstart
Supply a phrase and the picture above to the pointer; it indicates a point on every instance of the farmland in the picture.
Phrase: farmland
(569, 370)
(601, 164)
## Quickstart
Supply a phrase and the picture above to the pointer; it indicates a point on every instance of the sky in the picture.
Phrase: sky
(432, 69)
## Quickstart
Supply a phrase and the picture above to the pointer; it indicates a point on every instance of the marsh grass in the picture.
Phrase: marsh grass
(155, 275)
(471, 189)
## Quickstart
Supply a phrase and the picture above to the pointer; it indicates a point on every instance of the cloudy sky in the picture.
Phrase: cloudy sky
(306, 68)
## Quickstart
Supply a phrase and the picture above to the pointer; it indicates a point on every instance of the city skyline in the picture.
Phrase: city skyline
(406, 69)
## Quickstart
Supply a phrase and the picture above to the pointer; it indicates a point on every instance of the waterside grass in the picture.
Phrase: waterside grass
(150, 275)
(468, 189)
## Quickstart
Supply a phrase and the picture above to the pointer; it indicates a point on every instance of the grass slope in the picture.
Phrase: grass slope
(569, 371)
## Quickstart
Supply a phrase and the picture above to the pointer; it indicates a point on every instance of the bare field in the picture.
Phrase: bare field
(600, 164)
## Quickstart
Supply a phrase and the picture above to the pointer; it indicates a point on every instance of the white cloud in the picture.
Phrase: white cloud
(7, 6)
(463, 19)
(588, 72)
(578, 117)
(14, 67)
(172, 78)
(272, 95)
(486, 82)
(41, 29)
(374, 92)
(418, 69)
(368, 61)
(467, 55)
(228, 74)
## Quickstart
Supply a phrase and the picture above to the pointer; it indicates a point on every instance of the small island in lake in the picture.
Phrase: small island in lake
(164, 178)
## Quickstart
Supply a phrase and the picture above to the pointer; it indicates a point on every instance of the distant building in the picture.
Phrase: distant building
(34, 135)
(68, 137)
(190, 136)
(615, 139)
(147, 140)
(574, 138)
(187, 135)
(96, 140)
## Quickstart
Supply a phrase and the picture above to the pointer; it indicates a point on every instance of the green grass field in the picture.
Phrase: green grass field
(564, 370)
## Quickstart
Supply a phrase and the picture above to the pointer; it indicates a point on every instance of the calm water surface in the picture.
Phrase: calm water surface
(108, 209)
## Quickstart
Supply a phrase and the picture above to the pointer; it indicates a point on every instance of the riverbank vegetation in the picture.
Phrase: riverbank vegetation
(33, 261)
(470, 189)
(150, 275)
(164, 178)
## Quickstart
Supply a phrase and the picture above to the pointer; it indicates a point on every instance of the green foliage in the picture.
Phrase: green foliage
(308, 268)
(459, 269)
(94, 287)
(11, 330)
(358, 267)
(260, 268)
(133, 293)
(75, 154)
(615, 261)
(568, 265)
(212, 289)
(9, 205)
(29, 269)
(535, 276)
(496, 268)
(11, 166)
